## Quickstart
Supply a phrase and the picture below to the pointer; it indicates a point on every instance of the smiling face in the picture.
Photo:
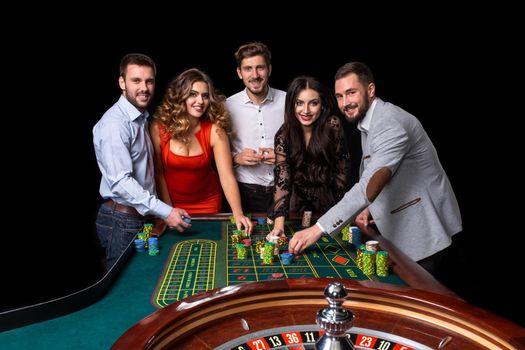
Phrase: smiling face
(199, 99)
(353, 98)
(138, 85)
(307, 107)
(254, 72)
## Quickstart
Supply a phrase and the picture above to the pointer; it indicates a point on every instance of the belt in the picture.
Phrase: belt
(122, 208)
(257, 188)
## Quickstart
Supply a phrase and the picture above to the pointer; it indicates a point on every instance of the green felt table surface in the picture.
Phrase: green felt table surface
(149, 282)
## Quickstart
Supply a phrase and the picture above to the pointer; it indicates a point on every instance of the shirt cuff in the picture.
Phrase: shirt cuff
(321, 227)
(163, 210)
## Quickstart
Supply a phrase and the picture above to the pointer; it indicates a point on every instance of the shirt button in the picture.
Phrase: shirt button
(260, 123)
(262, 137)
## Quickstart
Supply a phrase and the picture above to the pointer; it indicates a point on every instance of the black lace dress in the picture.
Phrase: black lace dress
(298, 187)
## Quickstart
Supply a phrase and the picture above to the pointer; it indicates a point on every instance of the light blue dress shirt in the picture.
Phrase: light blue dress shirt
(125, 157)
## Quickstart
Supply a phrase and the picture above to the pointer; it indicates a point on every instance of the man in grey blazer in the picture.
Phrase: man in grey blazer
(403, 188)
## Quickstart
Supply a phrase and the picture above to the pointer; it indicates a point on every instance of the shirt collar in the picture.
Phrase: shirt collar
(131, 111)
(269, 96)
(364, 124)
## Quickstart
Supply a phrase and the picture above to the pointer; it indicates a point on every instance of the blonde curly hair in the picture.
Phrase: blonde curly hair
(172, 112)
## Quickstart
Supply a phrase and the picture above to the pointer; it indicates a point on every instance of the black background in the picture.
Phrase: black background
(440, 70)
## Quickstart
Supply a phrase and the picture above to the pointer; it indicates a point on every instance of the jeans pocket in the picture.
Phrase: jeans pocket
(128, 228)
(116, 231)
(104, 224)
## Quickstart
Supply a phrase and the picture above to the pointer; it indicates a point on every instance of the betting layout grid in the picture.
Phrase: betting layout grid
(329, 257)
(191, 266)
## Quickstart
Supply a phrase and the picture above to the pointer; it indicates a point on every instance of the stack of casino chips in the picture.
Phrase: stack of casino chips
(139, 245)
(241, 233)
(354, 236)
(148, 228)
(307, 217)
(236, 238)
(153, 246)
(351, 234)
(344, 233)
(242, 252)
(258, 245)
(144, 236)
(359, 254)
(369, 262)
(382, 263)
(372, 262)
(275, 241)
(145, 240)
(268, 253)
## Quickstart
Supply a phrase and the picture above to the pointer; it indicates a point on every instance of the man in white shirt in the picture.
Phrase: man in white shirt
(257, 113)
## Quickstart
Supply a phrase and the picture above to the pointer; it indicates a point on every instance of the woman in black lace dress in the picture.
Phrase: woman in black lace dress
(311, 162)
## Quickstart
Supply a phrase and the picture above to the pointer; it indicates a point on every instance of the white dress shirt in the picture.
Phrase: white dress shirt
(254, 126)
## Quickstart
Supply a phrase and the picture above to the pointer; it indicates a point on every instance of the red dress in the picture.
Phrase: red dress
(192, 183)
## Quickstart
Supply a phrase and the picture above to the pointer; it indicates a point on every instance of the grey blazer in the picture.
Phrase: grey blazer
(417, 209)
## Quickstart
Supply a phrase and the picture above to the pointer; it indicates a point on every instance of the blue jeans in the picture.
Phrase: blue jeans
(115, 230)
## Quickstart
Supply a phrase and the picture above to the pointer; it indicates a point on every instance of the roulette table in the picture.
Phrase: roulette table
(195, 294)
(207, 259)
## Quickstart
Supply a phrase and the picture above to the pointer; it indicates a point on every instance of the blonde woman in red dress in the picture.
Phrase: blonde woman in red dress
(190, 131)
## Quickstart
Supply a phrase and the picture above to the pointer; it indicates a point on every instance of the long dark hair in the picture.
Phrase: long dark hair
(315, 164)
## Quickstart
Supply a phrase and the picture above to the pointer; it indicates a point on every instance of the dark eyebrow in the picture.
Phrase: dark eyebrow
(205, 93)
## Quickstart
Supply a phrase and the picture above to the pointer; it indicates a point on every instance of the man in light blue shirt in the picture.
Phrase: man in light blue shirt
(257, 113)
(125, 157)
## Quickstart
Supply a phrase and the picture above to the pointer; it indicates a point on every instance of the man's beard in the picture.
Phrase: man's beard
(362, 110)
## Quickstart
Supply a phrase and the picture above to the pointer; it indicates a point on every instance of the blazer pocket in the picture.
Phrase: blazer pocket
(406, 205)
